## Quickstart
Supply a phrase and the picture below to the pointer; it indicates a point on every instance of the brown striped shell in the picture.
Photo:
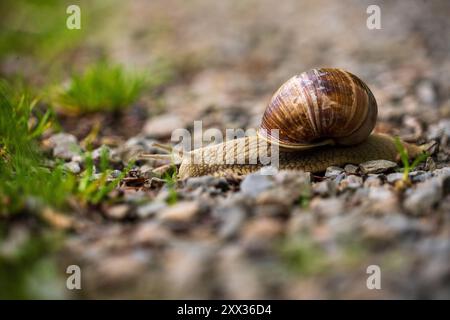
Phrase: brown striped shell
(318, 107)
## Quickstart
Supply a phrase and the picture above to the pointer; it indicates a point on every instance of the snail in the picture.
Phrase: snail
(324, 117)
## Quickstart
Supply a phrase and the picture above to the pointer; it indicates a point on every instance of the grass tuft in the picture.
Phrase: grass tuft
(100, 88)
(24, 181)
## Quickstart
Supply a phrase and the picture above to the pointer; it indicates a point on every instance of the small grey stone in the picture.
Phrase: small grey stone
(333, 172)
(393, 177)
(181, 212)
(150, 209)
(66, 151)
(439, 130)
(65, 146)
(420, 176)
(115, 174)
(426, 92)
(232, 219)
(206, 181)
(73, 167)
(328, 207)
(163, 125)
(118, 212)
(377, 166)
(352, 182)
(256, 183)
(96, 154)
(424, 197)
(351, 169)
(382, 200)
(62, 138)
(390, 227)
(340, 177)
(443, 172)
(373, 180)
(325, 188)
(381, 193)
(77, 158)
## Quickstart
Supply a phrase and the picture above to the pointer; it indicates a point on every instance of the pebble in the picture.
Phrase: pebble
(237, 276)
(327, 207)
(380, 193)
(207, 181)
(300, 221)
(150, 233)
(255, 183)
(382, 200)
(65, 146)
(260, 230)
(420, 176)
(272, 210)
(386, 228)
(325, 188)
(62, 138)
(122, 266)
(393, 177)
(443, 172)
(135, 146)
(115, 174)
(424, 197)
(185, 265)
(373, 180)
(162, 126)
(181, 212)
(426, 92)
(73, 167)
(439, 130)
(333, 172)
(150, 209)
(96, 154)
(340, 177)
(117, 212)
(377, 166)
(231, 217)
(351, 169)
(351, 182)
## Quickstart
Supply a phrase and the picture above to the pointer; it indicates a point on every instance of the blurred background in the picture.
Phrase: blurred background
(137, 70)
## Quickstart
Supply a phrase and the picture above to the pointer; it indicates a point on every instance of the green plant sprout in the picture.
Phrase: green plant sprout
(302, 256)
(170, 179)
(92, 190)
(305, 197)
(407, 167)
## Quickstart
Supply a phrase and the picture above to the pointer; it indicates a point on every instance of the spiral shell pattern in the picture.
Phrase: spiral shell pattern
(319, 105)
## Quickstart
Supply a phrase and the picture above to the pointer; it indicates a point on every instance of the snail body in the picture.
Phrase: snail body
(318, 159)
(319, 118)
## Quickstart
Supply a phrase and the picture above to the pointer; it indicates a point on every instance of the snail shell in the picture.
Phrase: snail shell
(320, 106)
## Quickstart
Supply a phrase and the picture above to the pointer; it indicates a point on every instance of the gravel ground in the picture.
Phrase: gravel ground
(292, 235)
